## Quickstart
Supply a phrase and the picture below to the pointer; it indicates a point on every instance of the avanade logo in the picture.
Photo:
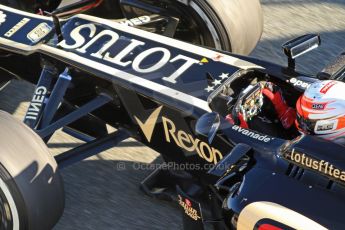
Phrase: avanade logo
(251, 134)
(181, 138)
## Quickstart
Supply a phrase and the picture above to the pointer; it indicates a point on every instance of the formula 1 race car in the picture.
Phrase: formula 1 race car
(173, 97)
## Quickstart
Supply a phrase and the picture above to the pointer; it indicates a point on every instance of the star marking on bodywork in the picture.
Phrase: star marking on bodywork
(2, 17)
(217, 82)
(224, 76)
(209, 89)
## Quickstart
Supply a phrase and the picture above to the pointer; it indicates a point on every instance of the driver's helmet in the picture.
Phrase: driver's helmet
(321, 110)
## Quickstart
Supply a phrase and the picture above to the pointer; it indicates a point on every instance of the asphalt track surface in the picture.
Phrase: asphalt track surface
(102, 191)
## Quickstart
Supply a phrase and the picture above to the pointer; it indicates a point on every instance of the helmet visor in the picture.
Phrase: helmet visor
(307, 126)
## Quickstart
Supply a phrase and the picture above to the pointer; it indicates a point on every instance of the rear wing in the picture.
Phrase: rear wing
(155, 65)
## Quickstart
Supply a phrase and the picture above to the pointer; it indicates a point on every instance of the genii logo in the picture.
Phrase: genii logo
(36, 103)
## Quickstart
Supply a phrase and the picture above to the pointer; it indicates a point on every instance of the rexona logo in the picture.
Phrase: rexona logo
(85, 36)
(182, 139)
(251, 134)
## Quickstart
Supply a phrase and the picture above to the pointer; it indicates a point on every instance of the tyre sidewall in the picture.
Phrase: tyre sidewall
(33, 171)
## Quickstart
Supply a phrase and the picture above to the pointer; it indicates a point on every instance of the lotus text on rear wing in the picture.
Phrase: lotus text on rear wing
(81, 44)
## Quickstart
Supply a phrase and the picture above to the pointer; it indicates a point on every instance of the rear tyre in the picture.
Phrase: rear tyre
(31, 190)
(242, 21)
(32, 6)
(230, 25)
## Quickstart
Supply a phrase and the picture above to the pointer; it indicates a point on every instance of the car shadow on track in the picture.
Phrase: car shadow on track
(13, 95)
(107, 196)
(102, 192)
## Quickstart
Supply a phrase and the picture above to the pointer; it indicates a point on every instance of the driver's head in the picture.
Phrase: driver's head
(321, 110)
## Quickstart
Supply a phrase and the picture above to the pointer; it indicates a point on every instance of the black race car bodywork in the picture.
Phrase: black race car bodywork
(159, 90)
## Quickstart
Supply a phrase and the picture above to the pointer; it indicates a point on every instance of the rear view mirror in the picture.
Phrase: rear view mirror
(208, 125)
(299, 46)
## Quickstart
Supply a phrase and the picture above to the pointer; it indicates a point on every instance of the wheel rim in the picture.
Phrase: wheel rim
(6, 221)
(8, 211)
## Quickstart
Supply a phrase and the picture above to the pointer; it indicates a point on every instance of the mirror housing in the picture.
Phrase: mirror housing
(237, 153)
(299, 46)
(208, 125)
